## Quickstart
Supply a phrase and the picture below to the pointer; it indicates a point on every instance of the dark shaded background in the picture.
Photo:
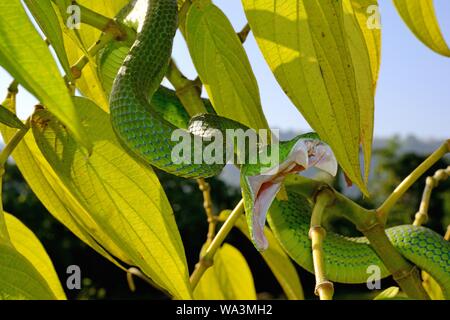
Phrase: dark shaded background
(102, 280)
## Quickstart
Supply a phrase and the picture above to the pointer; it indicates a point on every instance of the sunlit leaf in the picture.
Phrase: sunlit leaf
(432, 287)
(46, 17)
(19, 280)
(387, 294)
(223, 65)
(27, 244)
(24, 54)
(421, 19)
(10, 119)
(307, 48)
(229, 278)
(277, 260)
(365, 48)
(77, 43)
(120, 194)
(50, 190)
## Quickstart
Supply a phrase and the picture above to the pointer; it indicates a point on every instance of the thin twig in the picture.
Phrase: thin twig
(187, 91)
(6, 153)
(368, 222)
(78, 67)
(383, 210)
(206, 260)
(138, 273)
(440, 175)
(112, 30)
(243, 34)
(205, 188)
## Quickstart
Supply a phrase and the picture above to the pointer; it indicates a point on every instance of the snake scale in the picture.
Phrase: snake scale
(147, 135)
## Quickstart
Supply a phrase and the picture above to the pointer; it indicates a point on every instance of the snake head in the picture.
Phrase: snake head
(259, 188)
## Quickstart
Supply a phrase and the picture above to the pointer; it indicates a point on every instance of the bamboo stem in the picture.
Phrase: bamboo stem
(324, 288)
(369, 223)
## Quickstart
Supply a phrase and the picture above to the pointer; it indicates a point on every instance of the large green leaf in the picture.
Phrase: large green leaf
(421, 19)
(77, 43)
(46, 17)
(120, 194)
(229, 278)
(308, 48)
(10, 119)
(277, 260)
(19, 280)
(365, 50)
(432, 287)
(223, 65)
(29, 246)
(24, 54)
(50, 190)
(388, 294)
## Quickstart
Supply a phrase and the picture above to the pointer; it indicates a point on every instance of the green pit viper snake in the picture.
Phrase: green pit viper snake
(147, 135)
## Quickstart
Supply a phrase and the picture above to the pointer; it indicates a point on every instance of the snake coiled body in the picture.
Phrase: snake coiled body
(144, 132)
(147, 135)
(348, 260)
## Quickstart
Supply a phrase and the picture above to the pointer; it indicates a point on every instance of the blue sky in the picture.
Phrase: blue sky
(413, 95)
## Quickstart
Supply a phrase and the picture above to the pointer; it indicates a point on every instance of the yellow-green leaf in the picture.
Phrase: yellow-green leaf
(389, 293)
(277, 260)
(420, 17)
(229, 278)
(27, 244)
(77, 43)
(223, 65)
(45, 15)
(48, 187)
(120, 194)
(10, 119)
(371, 29)
(24, 54)
(19, 280)
(432, 287)
(307, 48)
(365, 46)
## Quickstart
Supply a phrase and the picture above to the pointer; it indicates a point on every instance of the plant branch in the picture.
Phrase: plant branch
(421, 216)
(187, 91)
(138, 273)
(78, 67)
(205, 188)
(107, 25)
(6, 153)
(369, 223)
(383, 210)
(112, 30)
(206, 259)
(243, 34)
(324, 288)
